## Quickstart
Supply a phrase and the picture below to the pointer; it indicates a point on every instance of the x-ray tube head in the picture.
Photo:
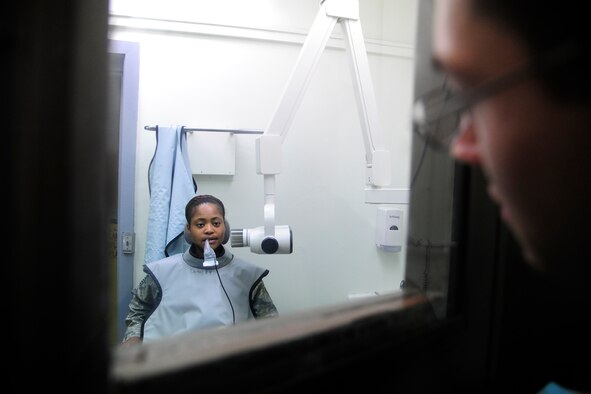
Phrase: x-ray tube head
(280, 243)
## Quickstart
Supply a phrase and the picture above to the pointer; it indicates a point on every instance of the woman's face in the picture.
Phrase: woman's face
(530, 148)
(207, 223)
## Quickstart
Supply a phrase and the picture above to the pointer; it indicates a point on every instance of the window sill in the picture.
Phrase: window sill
(280, 349)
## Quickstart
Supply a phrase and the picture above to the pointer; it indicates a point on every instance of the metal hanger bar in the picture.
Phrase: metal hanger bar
(235, 131)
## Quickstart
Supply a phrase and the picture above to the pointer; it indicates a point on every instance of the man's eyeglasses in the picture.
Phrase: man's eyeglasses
(437, 114)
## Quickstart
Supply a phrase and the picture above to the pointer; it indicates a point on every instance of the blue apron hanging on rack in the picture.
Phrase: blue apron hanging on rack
(171, 186)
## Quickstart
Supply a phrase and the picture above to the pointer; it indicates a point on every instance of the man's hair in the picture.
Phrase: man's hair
(547, 26)
(203, 199)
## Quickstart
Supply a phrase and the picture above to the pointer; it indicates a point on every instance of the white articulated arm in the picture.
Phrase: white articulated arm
(377, 157)
(269, 145)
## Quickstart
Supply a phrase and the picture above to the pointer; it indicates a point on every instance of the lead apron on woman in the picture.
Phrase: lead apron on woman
(195, 293)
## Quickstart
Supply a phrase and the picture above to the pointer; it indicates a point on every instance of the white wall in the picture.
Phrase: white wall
(224, 64)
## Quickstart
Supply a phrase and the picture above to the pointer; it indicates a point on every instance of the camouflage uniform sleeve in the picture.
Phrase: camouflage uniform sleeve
(262, 304)
(144, 298)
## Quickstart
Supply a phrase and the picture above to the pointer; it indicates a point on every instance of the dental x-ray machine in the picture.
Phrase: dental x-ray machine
(270, 239)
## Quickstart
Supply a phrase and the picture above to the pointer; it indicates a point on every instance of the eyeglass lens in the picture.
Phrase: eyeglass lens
(437, 117)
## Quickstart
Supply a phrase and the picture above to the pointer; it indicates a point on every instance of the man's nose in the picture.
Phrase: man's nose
(465, 146)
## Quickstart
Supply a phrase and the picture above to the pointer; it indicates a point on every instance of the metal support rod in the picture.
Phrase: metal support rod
(234, 131)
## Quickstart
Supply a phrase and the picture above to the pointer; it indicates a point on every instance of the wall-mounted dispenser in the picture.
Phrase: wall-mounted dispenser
(389, 229)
